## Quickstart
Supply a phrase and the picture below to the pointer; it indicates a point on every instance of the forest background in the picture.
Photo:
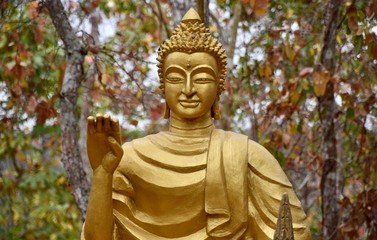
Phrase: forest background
(302, 81)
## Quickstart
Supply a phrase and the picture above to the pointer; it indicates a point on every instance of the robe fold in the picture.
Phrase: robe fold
(222, 186)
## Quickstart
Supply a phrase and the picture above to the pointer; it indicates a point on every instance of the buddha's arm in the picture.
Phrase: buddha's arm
(267, 184)
(99, 223)
(104, 153)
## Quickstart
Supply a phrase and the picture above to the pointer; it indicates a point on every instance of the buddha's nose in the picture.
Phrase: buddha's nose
(189, 89)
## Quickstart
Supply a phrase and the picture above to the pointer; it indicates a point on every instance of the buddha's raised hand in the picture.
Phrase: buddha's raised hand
(104, 143)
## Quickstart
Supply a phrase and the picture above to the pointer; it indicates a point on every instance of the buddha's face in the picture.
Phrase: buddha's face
(191, 82)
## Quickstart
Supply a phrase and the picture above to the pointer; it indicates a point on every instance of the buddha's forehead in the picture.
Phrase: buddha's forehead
(190, 60)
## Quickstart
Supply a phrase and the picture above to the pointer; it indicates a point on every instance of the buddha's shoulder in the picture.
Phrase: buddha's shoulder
(253, 146)
(255, 149)
(231, 136)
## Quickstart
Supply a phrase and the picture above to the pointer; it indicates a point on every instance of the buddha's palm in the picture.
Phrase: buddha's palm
(103, 143)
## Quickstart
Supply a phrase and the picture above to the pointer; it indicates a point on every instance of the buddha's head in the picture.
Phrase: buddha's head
(192, 69)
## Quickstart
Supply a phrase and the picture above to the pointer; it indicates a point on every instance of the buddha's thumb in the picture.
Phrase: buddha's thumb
(116, 148)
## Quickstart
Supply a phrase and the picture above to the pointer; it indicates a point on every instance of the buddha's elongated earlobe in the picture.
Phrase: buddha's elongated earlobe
(167, 111)
(215, 111)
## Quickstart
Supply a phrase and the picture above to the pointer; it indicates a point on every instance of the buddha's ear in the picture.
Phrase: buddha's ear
(167, 110)
(215, 110)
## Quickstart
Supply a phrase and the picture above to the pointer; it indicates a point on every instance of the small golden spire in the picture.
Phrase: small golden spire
(191, 16)
(284, 227)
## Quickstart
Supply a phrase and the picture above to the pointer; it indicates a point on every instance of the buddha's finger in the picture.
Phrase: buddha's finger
(99, 122)
(115, 147)
(106, 122)
(116, 129)
(91, 125)
(115, 124)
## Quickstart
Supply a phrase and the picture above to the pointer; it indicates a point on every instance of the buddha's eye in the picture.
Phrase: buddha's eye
(174, 80)
(203, 80)
(203, 77)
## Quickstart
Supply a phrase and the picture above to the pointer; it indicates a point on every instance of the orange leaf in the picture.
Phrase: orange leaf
(134, 122)
(94, 49)
(320, 80)
(294, 96)
(44, 111)
(286, 139)
(38, 33)
(352, 17)
(33, 9)
(371, 9)
(369, 37)
(95, 3)
(19, 71)
(260, 7)
(305, 71)
(275, 57)
(265, 70)
(20, 156)
(31, 105)
(289, 52)
(88, 59)
(252, 3)
(373, 50)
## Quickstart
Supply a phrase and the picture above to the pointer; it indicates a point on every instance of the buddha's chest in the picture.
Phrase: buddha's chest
(168, 187)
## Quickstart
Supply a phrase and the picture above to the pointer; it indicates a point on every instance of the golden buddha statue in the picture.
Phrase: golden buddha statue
(192, 181)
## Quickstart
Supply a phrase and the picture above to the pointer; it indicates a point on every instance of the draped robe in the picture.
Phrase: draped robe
(222, 186)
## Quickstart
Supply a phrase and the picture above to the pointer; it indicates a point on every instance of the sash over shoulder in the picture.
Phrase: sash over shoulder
(226, 185)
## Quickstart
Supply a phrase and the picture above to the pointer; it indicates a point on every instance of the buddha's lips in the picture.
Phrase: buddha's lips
(189, 103)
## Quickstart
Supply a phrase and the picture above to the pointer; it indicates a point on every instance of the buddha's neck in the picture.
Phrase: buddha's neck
(187, 127)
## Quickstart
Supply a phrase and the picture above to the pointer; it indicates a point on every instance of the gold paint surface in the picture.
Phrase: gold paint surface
(193, 181)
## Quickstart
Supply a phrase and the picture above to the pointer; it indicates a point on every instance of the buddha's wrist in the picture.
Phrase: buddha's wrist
(101, 173)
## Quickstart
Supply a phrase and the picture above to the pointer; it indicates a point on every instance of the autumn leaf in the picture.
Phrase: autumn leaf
(31, 105)
(371, 9)
(33, 9)
(320, 80)
(45, 110)
(305, 72)
(134, 122)
(95, 3)
(275, 57)
(94, 49)
(290, 52)
(370, 37)
(260, 7)
(265, 70)
(286, 139)
(294, 96)
(373, 50)
(352, 17)
(89, 59)
(139, 93)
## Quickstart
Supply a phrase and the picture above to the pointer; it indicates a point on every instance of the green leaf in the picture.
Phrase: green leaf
(350, 113)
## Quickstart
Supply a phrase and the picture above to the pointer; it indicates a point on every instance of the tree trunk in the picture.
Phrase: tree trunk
(75, 52)
(230, 44)
(203, 10)
(329, 190)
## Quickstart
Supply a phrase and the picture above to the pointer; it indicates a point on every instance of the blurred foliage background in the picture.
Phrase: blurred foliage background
(275, 84)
